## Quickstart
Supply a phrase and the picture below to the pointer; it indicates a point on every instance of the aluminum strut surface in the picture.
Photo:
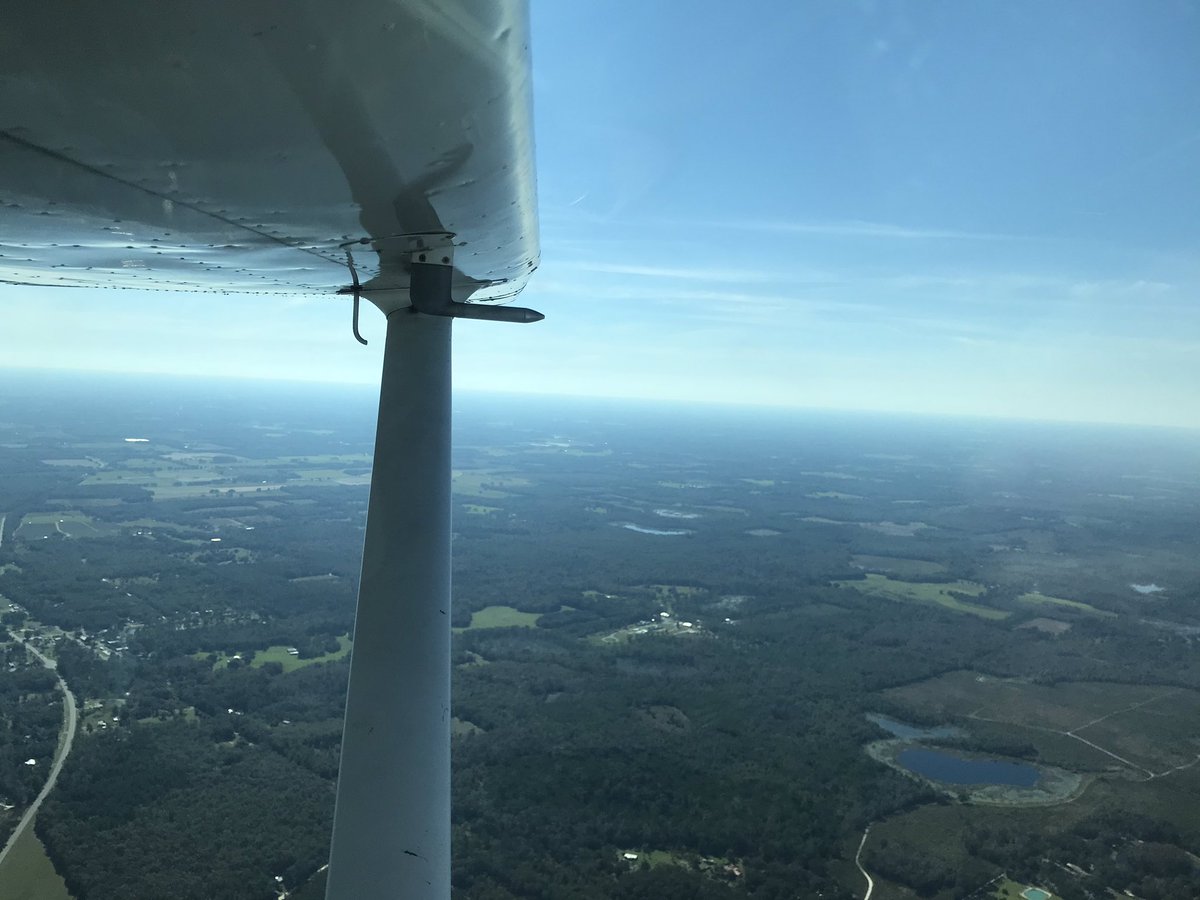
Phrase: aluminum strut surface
(391, 832)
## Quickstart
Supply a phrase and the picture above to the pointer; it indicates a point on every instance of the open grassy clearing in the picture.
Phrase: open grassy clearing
(278, 653)
(1039, 599)
(1156, 728)
(69, 523)
(341, 460)
(179, 476)
(903, 566)
(565, 451)
(487, 484)
(832, 495)
(672, 591)
(462, 728)
(1060, 707)
(476, 509)
(896, 529)
(925, 592)
(501, 617)
(82, 463)
(1159, 735)
(28, 874)
(667, 627)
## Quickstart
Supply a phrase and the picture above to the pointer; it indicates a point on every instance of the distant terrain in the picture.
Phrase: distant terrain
(698, 651)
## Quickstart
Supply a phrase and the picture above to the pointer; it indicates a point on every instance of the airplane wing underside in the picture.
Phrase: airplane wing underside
(246, 146)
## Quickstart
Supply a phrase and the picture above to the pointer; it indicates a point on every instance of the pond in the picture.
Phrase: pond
(663, 531)
(940, 765)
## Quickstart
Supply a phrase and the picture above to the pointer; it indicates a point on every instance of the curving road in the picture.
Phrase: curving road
(858, 862)
(59, 758)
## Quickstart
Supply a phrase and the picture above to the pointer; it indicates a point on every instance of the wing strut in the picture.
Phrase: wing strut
(391, 825)
(391, 828)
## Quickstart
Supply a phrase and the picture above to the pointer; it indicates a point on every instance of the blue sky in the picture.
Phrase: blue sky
(936, 207)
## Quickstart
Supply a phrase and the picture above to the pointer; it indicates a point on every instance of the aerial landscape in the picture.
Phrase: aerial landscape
(700, 651)
(820, 515)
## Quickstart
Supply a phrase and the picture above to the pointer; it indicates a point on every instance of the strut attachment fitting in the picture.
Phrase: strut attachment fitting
(431, 273)
(430, 265)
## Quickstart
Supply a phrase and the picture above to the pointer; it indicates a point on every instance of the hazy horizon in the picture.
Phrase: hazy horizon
(369, 392)
(944, 209)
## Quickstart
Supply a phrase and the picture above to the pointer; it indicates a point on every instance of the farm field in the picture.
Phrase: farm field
(69, 523)
(946, 595)
(897, 565)
(1037, 599)
(501, 617)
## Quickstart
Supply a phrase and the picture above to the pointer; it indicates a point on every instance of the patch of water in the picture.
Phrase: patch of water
(951, 768)
(661, 531)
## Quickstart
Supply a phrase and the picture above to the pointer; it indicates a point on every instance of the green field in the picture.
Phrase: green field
(475, 509)
(290, 663)
(27, 873)
(501, 617)
(175, 476)
(278, 653)
(897, 565)
(486, 484)
(69, 523)
(1039, 599)
(671, 591)
(935, 593)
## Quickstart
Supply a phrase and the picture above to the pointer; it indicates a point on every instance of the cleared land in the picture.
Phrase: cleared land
(1039, 599)
(1150, 730)
(501, 617)
(69, 523)
(278, 653)
(904, 567)
(475, 509)
(945, 594)
(486, 483)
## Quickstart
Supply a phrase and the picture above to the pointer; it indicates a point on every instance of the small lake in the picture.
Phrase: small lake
(676, 514)
(663, 531)
(951, 768)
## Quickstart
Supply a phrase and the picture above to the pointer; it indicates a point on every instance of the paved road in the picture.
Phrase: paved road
(59, 758)
(858, 862)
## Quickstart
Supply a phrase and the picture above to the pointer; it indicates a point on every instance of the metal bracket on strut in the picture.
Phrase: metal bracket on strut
(431, 275)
